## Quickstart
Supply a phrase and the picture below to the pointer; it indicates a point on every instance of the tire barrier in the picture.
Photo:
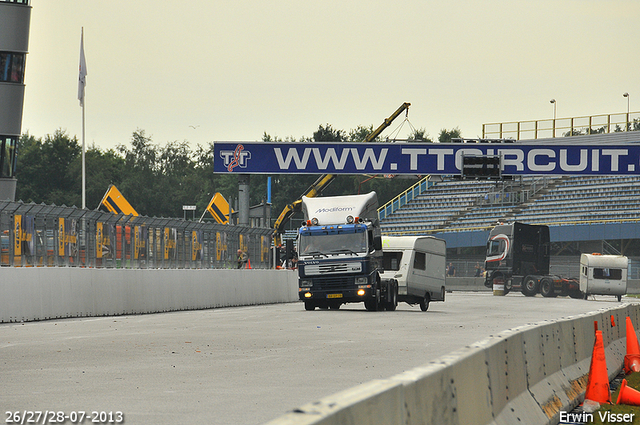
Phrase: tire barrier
(525, 375)
(40, 293)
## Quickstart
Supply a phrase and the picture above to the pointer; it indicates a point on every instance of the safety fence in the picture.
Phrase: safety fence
(556, 127)
(48, 235)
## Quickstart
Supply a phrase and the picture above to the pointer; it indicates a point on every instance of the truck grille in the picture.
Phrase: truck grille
(332, 268)
(333, 282)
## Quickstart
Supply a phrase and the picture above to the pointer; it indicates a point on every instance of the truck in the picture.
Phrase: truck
(603, 275)
(418, 264)
(340, 254)
(518, 257)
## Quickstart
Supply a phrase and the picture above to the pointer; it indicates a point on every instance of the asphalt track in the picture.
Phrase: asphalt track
(243, 365)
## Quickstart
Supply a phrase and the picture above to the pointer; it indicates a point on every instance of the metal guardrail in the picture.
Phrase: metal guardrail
(556, 127)
(49, 235)
(490, 226)
(402, 199)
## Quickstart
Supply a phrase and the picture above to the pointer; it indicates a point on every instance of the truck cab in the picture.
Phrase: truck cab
(340, 254)
(514, 252)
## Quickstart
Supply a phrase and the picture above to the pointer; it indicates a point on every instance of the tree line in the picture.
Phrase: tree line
(159, 179)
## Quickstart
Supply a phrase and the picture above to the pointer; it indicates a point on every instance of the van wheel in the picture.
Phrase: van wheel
(619, 298)
(424, 303)
(309, 306)
(442, 293)
(530, 286)
(546, 288)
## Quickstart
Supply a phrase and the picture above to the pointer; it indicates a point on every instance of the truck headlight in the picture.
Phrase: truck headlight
(306, 283)
(362, 280)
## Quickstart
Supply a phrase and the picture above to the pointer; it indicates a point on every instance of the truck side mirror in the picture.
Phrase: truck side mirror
(377, 243)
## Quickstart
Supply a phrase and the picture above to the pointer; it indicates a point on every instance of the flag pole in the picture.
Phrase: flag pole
(82, 82)
(84, 174)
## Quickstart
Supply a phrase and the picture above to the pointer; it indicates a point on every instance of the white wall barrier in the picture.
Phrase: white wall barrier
(39, 293)
(526, 375)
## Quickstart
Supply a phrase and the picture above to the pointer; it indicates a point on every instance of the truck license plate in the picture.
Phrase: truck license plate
(334, 295)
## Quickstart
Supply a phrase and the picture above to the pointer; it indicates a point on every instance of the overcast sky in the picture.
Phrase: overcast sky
(238, 68)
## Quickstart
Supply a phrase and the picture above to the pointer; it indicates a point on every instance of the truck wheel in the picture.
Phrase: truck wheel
(424, 303)
(370, 305)
(393, 303)
(309, 306)
(530, 286)
(546, 288)
(375, 303)
(508, 286)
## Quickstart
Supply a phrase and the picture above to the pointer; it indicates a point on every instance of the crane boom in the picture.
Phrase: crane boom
(387, 122)
(324, 180)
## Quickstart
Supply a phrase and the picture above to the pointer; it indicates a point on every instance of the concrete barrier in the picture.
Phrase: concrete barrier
(39, 293)
(474, 284)
(525, 375)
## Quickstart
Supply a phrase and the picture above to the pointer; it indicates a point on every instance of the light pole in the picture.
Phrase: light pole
(627, 96)
(554, 116)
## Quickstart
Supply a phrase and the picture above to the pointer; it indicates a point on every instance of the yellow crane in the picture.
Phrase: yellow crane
(323, 181)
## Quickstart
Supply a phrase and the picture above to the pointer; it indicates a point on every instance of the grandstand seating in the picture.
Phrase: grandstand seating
(460, 205)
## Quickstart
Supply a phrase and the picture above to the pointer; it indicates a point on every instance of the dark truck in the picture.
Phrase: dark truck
(518, 258)
(340, 254)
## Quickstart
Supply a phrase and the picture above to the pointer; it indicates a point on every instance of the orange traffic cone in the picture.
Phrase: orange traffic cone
(632, 359)
(628, 395)
(248, 265)
(598, 383)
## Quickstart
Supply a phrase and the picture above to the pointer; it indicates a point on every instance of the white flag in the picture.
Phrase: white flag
(82, 79)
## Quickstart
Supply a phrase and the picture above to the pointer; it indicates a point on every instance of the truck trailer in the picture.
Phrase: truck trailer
(340, 254)
(418, 264)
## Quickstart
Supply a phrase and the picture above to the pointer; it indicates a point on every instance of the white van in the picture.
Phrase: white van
(418, 263)
(603, 275)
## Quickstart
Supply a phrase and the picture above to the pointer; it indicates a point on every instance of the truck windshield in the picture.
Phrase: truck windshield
(495, 247)
(332, 244)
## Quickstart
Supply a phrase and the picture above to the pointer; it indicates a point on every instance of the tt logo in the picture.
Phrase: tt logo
(235, 158)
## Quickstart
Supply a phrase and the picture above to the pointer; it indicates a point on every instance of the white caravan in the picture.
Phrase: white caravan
(603, 275)
(418, 263)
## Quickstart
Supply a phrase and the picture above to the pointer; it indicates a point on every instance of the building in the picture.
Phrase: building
(15, 16)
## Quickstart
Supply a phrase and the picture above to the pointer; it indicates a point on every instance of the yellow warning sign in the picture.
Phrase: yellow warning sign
(219, 208)
(116, 203)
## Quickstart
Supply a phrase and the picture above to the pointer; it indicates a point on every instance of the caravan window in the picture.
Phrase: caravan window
(606, 273)
(420, 261)
(391, 261)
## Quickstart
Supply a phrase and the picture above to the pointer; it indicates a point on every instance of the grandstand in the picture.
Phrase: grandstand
(455, 205)
(584, 213)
